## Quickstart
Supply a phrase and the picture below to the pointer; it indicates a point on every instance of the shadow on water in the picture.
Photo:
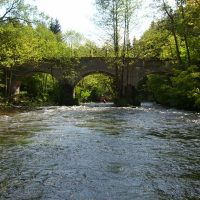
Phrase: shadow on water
(104, 118)
(17, 130)
(180, 135)
(15, 138)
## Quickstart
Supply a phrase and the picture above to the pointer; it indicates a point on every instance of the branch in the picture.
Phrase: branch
(9, 10)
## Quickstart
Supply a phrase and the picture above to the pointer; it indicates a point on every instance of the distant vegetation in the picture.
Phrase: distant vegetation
(175, 36)
(95, 88)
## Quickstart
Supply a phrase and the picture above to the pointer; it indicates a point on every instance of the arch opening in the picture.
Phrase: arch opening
(38, 88)
(95, 87)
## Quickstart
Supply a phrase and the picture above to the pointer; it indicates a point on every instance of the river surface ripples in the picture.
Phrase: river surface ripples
(100, 152)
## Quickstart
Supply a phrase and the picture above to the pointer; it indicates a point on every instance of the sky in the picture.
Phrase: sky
(72, 14)
(78, 15)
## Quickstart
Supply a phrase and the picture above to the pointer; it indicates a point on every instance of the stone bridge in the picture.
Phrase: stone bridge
(130, 72)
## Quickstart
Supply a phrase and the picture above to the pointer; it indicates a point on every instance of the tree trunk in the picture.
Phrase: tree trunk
(177, 47)
(116, 30)
(172, 22)
(187, 49)
(6, 82)
(116, 41)
(45, 85)
(185, 35)
(10, 82)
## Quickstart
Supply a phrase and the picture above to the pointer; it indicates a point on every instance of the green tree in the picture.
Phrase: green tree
(18, 10)
(156, 43)
(192, 28)
(55, 26)
(176, 33)
(110, 14)
(109, 18)
(129, 8)
(180, 90)
(39, 88)
(16, 50)
(94, 87)
(171, 25)
(183, 26)
(74, 40)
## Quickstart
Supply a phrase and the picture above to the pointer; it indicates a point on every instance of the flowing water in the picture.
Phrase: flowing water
(100, 152)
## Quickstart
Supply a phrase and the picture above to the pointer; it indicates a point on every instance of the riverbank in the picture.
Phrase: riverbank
(8, 109)
(11, 108)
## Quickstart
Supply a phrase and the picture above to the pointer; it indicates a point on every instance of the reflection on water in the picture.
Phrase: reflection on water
(100, 152)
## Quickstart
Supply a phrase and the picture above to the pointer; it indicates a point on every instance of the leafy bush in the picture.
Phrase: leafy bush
(182, 90)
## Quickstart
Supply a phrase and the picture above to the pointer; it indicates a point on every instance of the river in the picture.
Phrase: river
(100, 152)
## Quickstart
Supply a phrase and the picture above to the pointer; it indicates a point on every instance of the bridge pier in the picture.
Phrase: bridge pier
(128, 84)
(66, 94)
(131, 95)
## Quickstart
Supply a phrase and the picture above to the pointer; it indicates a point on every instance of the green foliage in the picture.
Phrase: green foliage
(177, 33)
(55, 26)
(115, 17)
(181, 90)
(50, 48)
(94, 88)
(22, 44)
(39, 88)
(30, 45)
(20, 49)
(19, 11)
(158, 85)
(81, 46)
(153, 44)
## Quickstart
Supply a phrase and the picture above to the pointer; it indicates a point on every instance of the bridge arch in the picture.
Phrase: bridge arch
(18, 78)
(94, 86)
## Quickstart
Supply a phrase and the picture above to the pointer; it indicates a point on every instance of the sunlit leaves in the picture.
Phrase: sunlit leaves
(20, 44)
(17, 45)
(93, 87)
(18, 10)
(181, 90)
(154, 43)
